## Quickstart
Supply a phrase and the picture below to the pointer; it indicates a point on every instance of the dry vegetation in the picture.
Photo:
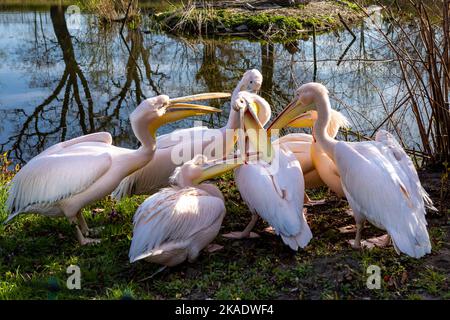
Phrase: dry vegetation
(422, 51)
(114, 10)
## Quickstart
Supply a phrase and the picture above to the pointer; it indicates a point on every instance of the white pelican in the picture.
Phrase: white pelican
(72, 174)
(155, 175)
(318, 169)
(273, 188)
(378, 178)
(176, 223)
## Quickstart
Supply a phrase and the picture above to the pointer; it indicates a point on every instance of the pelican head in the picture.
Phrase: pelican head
(254, 113)
(253, 105)
(252, 108)
(250, 84)
(160, 110)
(252, 81)
(304, 101)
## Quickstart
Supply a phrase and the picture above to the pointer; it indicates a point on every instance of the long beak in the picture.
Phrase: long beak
(257, 135)
(241, 134)
(292, 111)
(201, 96)
(177, 111)
(216, 168)
(305, 120)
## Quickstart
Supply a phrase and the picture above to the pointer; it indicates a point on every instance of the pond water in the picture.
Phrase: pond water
(59, 80)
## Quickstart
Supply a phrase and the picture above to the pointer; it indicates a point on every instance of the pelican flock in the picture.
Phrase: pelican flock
(183, 214)
(66, 177)
(156, 174)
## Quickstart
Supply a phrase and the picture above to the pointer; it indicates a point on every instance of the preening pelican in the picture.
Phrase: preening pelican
(72, 174)
(155, 175)
(272, 188)
(318, 169)
(378, 178)
(176, 223)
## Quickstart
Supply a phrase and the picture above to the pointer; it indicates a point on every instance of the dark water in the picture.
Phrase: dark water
(58, 81)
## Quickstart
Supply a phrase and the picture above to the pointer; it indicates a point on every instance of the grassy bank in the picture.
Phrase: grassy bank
(277, 23)
(35, 252)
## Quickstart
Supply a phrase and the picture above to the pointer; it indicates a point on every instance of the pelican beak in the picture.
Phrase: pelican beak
(256, 133)
(201, 96)
(212, 169)
(180, 108)
(305, 120)
(293, 110)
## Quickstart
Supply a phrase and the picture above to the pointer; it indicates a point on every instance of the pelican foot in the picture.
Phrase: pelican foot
(240, 235)
(348, 229)
(381, 242)
(89, 241)
(213, 247)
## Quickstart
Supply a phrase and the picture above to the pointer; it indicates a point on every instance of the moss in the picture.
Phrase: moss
(281, 24)
(350, 4)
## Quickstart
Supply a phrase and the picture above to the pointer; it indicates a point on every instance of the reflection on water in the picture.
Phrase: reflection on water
(57, 83)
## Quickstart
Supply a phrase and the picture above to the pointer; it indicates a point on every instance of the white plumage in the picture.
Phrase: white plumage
(275, 193)
(381, 187)
(60, 172)
(176, 223)
(72, 174)
(378, 178)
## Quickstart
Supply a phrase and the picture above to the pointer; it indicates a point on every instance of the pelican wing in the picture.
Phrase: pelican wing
(178, 136)
(104, 137)
(172, 215)
(376, 188)
(276, 194)
(404, 166)
(50, 178)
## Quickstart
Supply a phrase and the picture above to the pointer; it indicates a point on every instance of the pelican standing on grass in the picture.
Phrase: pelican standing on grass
(378, 178)
(273, 187)
(176, 223)
(72, 174)
(318, 169)
(156, 174)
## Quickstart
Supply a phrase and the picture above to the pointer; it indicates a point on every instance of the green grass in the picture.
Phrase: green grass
(351, 4)
(35, 252)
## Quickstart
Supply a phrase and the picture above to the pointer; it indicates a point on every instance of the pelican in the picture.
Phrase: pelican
(176, 223)
(318, 169)
(272, 187)
(72, 174)
(155, 175)
(378, 178)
